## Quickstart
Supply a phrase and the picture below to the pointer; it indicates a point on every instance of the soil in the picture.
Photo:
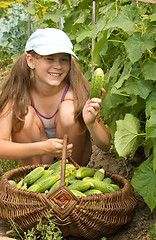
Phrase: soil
(139, 227)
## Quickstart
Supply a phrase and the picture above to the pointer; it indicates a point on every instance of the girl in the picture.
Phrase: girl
(45, 97)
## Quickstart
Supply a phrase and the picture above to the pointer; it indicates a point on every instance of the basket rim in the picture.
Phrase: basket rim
(126, 187)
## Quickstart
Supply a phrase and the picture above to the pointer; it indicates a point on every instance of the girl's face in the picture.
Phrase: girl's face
(50, 70)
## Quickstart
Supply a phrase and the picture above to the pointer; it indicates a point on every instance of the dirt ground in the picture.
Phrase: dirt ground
(139, 227)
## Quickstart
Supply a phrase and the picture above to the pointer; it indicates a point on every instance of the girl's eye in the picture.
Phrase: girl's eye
(65, 59)
(49, 59)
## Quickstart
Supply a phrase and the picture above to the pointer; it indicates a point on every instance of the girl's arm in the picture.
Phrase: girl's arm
(13, 150)
(99, 133)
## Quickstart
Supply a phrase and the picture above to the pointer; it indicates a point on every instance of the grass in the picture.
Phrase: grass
(6, 165)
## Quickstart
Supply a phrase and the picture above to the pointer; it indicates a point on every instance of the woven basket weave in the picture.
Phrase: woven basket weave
(90, 217)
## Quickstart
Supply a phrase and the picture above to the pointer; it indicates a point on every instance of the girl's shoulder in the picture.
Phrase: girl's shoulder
(69, 94)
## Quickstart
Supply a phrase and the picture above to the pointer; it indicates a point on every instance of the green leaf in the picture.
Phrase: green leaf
(127, 19)
(151, 123)
(144, 182)
(153, 17)
(83, 33)
(154, 154)
(137, 44)
(55, 15)
(150, 101)
(138, 87)
(150, 69)
(111, 101)
(125, 74)
(114, 68)
(98, 46)
(127, 137)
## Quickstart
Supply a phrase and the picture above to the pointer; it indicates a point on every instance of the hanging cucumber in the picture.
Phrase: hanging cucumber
(97, 83)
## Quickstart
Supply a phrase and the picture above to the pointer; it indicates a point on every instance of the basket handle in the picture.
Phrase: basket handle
(63, 164)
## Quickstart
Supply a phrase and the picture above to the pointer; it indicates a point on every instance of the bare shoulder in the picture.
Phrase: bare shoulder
(6, 122)
(69, 95)
(7, 110)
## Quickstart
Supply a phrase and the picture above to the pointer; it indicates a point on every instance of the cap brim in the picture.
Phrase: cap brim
(44, 51)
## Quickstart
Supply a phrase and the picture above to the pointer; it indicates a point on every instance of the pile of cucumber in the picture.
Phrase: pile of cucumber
(81, 182)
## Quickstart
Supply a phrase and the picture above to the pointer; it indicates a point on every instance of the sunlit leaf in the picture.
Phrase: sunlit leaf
(127, 137)
(127, 19)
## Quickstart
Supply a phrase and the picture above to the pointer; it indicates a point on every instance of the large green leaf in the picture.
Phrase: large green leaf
(137, 44)
(125, 74)
(144, 182)
(115, 67)
(150, 69)
(151, 123)
(55, 15)
(150, 101)
(127, 138)
(154, 154)
(111, 101)
(138, 87)
(98, 46)
(127, 19)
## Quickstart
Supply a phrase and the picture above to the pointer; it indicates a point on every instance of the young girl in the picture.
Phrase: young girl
(45, 97)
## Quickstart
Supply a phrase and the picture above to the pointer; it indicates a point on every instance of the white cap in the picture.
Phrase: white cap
(50, 41)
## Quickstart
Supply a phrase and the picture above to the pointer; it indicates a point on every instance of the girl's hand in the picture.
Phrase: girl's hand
(54, 146)
(92, 108)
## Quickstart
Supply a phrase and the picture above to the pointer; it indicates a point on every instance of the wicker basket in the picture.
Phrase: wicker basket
(90, 217)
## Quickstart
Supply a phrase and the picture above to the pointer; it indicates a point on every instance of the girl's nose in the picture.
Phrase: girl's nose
(57, 64)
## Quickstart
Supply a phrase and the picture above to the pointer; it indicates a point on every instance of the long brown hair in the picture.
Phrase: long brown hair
(16, 90)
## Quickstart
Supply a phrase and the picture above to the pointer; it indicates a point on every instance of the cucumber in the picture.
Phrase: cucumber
(56, 185)
(73, 181)
(70, 166)
(20, 183)
(71, 177)
(86, 178)
(84, 172)
(34, 175)
(92, 191)
(100, 185)
(115, 187)
(46, 173)
(12, 183)
(78, 193)
(47, 182)
(34, 188)
(97, 83)
(81, 186)
(24, 187)
(107, 180)
(55, 165)
(99, 175)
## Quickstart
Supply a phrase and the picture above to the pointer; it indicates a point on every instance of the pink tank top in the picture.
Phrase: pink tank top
(49, 122)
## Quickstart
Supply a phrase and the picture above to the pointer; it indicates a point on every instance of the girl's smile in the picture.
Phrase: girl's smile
(50, 70)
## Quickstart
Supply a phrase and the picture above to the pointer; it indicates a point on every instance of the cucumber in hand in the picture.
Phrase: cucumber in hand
(97, 83)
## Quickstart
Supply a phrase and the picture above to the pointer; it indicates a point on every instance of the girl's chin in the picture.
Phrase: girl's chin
(55, 82)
